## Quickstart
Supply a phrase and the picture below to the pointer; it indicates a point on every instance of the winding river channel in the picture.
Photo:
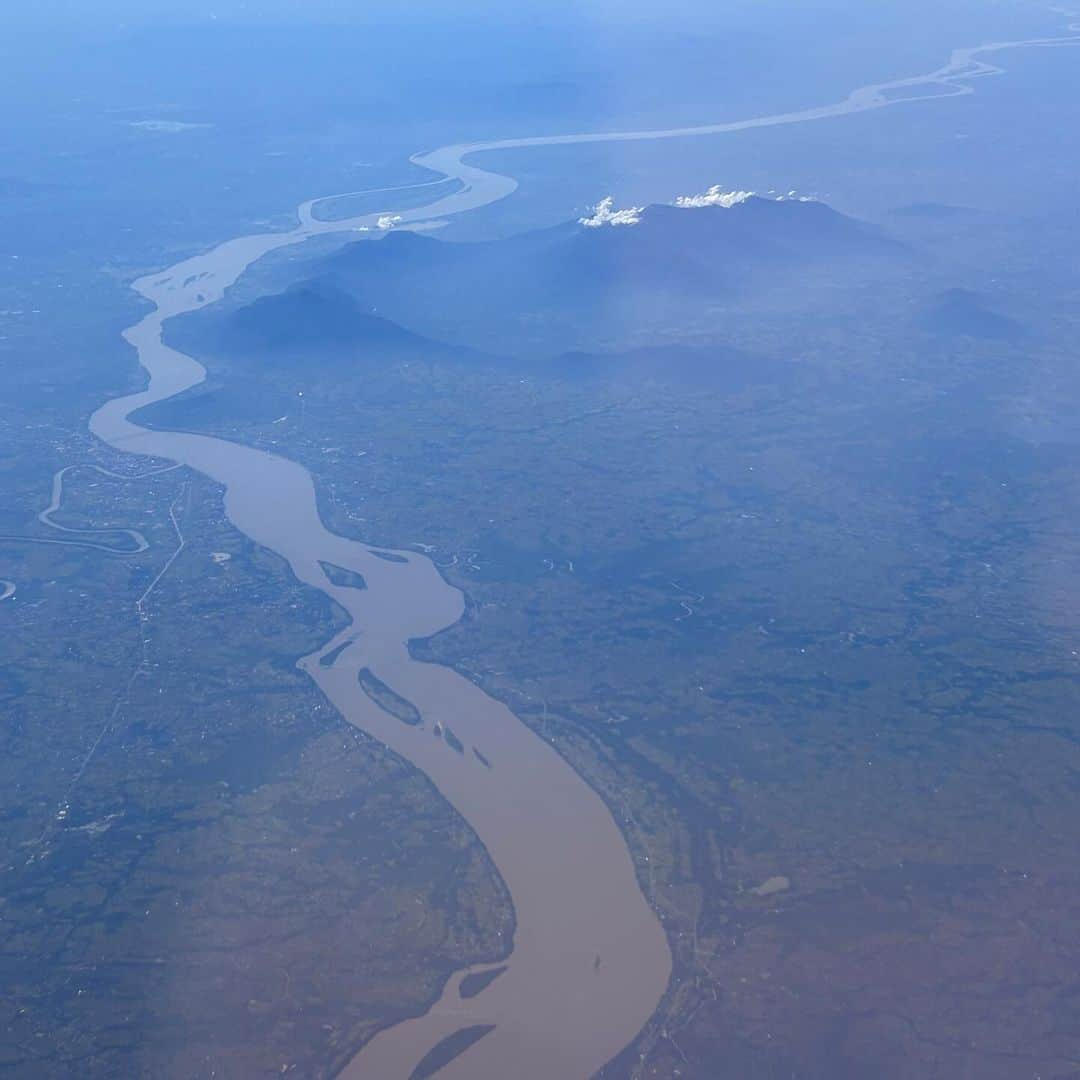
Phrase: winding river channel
(589, 961)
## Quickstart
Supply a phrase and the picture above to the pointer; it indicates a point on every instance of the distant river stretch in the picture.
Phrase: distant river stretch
(589, 960)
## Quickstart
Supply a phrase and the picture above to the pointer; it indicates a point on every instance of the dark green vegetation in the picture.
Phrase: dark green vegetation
(800, 613)
(383, 696)
(450, 1047)
(338, 575)
(472, 984)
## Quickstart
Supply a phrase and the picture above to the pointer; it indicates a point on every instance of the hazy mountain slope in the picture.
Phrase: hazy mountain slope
(570, 286)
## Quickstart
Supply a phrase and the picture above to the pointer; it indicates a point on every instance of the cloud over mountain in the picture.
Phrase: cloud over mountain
(715, 196)
(604, 213)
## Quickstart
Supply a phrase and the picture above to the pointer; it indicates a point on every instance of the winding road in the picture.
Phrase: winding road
(589, 961)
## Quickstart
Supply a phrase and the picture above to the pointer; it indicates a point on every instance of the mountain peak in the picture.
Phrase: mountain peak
(736, 225)
(605, 213)
(313, 312)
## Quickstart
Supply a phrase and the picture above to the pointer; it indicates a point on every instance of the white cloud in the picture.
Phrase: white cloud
(715, 196)
(388, 221)
(604, 213)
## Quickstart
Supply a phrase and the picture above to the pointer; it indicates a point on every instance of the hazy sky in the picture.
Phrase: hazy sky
(58, 13)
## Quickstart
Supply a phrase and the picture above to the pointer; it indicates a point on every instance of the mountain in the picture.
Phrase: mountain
(757, 229)
(560, 288)
(963, 312)
(315, 319)
(697, 248)
(672, 274)
(312, 314)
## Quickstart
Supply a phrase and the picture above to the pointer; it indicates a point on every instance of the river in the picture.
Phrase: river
(590, 960)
